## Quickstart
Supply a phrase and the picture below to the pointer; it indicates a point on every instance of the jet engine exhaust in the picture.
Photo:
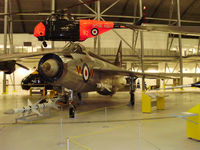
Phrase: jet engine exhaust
(50, 67)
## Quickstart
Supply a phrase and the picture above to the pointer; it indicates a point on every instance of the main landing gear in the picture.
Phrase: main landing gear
(79, 98)
(132, 90)
(72, 107)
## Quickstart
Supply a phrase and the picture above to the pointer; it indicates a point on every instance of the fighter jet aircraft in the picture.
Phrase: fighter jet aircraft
(78, 69)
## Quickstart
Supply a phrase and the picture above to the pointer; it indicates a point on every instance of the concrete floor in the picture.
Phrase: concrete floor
(100, 123)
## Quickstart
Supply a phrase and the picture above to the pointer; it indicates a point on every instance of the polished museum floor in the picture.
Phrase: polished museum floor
(100, 123)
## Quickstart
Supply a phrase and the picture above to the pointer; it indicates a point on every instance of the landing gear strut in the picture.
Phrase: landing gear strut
(79, 98)
(71, 105)
(132, 99)
(132, 90)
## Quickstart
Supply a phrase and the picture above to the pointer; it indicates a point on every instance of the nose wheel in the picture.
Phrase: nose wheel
(71, 112)
(132, 90)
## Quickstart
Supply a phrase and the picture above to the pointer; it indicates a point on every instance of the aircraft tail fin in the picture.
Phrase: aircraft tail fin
(118, 58)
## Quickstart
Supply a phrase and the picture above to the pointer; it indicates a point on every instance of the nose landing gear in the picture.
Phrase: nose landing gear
(132, 90)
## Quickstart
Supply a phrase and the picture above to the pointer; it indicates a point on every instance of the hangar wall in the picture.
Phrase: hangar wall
(153, 40)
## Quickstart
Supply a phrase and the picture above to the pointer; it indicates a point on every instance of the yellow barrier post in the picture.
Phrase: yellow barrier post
(193, 123)
(43, 92)
(30, 91)
(173, 87)
(163, 86)
(6, 92)
(6, 89)
(160, 103)
(52, 93)
(146, 103)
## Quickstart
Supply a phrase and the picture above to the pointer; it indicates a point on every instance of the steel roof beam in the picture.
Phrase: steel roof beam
(180, 42)
(156, 9)
(150, 18)
(124, 9)
(109, 16)
(109, 7)
(88, 7)
(21, 17)
(189, 7)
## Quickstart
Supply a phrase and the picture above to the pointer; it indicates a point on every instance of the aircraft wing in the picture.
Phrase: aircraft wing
(185, 30)
(8, 61)
(9, 57)
(130, 73)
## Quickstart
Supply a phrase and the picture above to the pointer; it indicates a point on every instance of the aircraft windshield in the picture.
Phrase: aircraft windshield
(75, 48)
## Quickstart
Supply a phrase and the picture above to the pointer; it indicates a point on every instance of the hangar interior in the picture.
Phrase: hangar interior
(104, 122)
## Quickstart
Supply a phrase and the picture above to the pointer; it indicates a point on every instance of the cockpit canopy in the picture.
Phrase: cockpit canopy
(74, 48)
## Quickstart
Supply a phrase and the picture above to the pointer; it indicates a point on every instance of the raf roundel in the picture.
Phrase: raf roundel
(85, 73)
(94, 31)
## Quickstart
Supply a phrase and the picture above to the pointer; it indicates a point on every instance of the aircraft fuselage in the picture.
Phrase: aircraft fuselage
(78, 74)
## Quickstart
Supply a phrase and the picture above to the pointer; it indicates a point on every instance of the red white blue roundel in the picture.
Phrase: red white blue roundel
(94, 31)
(85, 73)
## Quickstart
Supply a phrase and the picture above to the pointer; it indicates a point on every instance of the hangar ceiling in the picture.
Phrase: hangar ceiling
(25, 13)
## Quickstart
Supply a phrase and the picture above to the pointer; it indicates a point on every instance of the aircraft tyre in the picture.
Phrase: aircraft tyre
(71, 112)
(132, 99)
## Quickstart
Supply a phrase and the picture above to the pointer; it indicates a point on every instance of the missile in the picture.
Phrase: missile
(33, 107)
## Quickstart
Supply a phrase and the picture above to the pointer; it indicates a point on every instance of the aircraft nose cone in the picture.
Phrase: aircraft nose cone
(50, 68)
(39, 30)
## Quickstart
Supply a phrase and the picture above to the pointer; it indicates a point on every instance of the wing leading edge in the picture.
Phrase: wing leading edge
(123, 72)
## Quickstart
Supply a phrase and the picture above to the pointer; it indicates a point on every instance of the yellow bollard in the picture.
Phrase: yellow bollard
(160, 103)
(146, 103)
(6, 89)
(193, 123)
(6, 92)
(52, 93)
(30, 91)
(172, 87)
(43, 92)
(163, 86)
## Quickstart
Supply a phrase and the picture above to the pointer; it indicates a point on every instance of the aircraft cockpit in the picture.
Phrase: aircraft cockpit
(61, 28)
(74, 48)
